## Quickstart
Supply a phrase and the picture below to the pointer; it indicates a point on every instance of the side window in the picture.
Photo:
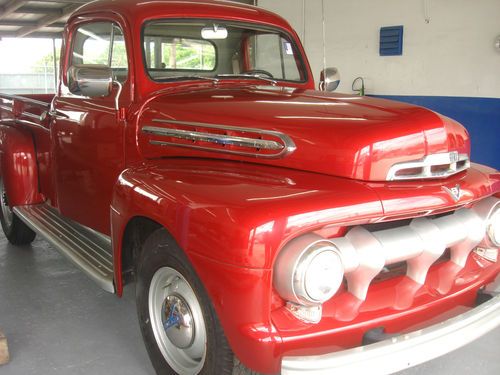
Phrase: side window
(101, 43)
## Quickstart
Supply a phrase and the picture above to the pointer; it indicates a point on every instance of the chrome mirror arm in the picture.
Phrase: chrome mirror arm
(120, 114)
(118, 94)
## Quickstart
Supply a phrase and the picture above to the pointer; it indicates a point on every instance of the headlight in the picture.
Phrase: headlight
(494, 226)
(489, 211)
(308, 271)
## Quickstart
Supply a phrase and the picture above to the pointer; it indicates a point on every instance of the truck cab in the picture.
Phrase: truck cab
(265, 223)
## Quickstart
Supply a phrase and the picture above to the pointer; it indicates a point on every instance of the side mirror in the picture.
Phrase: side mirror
(90, 80)
(329, 79)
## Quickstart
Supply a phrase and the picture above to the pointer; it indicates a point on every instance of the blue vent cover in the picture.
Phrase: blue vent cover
(391, 41)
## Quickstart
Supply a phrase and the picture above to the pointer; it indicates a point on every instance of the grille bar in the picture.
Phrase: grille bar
(420, 244)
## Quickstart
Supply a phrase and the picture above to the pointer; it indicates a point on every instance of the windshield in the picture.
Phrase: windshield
(175, 50)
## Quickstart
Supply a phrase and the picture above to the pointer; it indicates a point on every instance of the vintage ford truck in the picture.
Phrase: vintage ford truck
(266, 224)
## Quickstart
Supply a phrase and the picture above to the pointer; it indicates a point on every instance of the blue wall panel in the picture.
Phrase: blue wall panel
(481, 117)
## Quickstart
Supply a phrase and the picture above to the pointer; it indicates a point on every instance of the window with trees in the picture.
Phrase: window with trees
(101, 43)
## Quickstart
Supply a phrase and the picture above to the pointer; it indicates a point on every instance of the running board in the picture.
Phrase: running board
(87, 249)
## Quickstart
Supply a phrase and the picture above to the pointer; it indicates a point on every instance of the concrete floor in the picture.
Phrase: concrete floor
(58, 322)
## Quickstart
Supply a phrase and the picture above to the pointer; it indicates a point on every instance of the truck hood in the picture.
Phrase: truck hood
(347, 136)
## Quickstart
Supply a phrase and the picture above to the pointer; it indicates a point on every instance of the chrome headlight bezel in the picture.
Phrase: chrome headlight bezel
(493, 226)
(488, 210)
(308, 270)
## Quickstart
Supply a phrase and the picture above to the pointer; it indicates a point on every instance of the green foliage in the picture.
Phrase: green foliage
(119, 55)
(47, 62)
(189, 54)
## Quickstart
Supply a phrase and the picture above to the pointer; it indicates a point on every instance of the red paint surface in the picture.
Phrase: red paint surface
(18, 165)
(232, 219)
(232, 215)
(340, 135)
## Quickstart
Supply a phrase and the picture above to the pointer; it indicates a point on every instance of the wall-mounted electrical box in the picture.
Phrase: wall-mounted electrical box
(391, 41)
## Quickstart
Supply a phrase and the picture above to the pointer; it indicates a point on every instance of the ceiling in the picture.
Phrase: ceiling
(19, 18)
(39, 18)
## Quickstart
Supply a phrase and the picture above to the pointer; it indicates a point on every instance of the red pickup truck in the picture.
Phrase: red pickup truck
(266, 224)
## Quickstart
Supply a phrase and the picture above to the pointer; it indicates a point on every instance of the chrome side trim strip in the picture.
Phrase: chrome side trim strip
(407, 350)
(225, 140)
(283, 148)
(32, 116)
(26, 100)
(453, 161)
(88, 250)
(32, 124)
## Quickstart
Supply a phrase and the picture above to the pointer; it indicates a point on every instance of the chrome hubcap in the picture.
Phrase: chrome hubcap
(6, 211)
(177, 321)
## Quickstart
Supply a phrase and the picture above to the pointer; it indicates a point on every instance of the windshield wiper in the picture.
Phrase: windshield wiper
(211, 79)
(253, 76)
(180, 78)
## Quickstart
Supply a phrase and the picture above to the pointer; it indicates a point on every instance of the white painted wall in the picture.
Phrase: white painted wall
(452, 55)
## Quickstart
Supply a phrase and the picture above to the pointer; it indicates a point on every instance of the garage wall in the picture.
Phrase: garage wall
(449, 61)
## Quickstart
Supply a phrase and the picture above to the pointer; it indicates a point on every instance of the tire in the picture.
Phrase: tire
(179, 325)
(14, 229)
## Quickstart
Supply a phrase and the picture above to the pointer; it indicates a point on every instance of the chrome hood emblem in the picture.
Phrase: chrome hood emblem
(455, 192)
(441, 165)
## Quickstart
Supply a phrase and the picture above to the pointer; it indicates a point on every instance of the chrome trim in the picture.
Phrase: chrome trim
(57, 114)
(454, 192)
(253, 76)
(364, 253)
(404, 351)
(23, 99)
(182, 338)
(118, 95)
(32, 116)
(285, 148)
(450, 159)
(489, 211)
(31, 124)
(491, 230)
(225, 140)
(89, 251)
(6, 107)
(292, 264)
(91, 80)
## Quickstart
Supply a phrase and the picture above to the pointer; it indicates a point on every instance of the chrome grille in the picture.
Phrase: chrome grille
(432, 166)
(419, 244)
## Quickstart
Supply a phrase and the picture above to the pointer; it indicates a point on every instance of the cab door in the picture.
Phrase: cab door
(87, 134)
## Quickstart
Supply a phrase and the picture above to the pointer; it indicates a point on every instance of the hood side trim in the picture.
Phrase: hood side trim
(279, 146)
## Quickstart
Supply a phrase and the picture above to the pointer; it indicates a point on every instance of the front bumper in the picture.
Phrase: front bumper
(406, 350)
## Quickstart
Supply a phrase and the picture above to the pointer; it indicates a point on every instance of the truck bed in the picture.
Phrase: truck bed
(30, 110)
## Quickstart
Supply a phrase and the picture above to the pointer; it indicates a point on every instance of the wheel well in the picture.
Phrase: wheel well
(136, 232)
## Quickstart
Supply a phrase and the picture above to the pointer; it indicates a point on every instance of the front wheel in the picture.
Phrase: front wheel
(14, 229)
(178, 322)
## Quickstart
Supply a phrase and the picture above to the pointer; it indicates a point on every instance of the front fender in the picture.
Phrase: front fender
(18, 165)
(231, 219)
(236, 213)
